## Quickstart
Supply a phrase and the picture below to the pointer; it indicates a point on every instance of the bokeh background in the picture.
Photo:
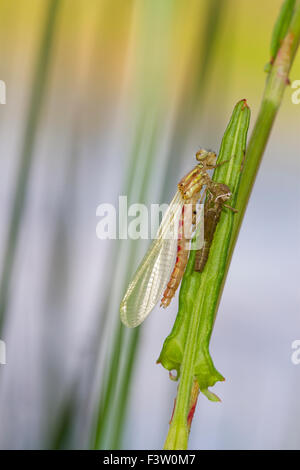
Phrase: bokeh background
(114, 97)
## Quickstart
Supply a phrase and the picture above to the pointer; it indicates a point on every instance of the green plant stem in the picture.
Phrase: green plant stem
(186, 349)
(178, 434)
(276, 84)
(110, 408)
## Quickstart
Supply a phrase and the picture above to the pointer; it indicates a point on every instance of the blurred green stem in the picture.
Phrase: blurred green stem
(186, 349)
(178, 434)
(31, 124)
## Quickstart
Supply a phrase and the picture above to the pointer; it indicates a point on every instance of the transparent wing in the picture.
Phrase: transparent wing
(152, 275)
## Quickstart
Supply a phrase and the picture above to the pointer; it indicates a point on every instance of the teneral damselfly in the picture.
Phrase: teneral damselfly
(160, 272)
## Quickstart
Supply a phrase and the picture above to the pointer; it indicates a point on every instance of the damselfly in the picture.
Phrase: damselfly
(161, 270)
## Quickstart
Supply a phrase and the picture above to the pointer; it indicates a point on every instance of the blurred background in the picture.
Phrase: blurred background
(114, 97)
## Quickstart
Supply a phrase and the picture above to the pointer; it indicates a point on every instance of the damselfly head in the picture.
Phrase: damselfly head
(206, 156)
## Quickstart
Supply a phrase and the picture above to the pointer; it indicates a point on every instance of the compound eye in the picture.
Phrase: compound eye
(201, 154)
(211, 158)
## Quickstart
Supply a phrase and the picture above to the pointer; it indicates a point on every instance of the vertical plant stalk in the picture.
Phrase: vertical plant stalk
(186, 349)
(276, 83)
(26, 156)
